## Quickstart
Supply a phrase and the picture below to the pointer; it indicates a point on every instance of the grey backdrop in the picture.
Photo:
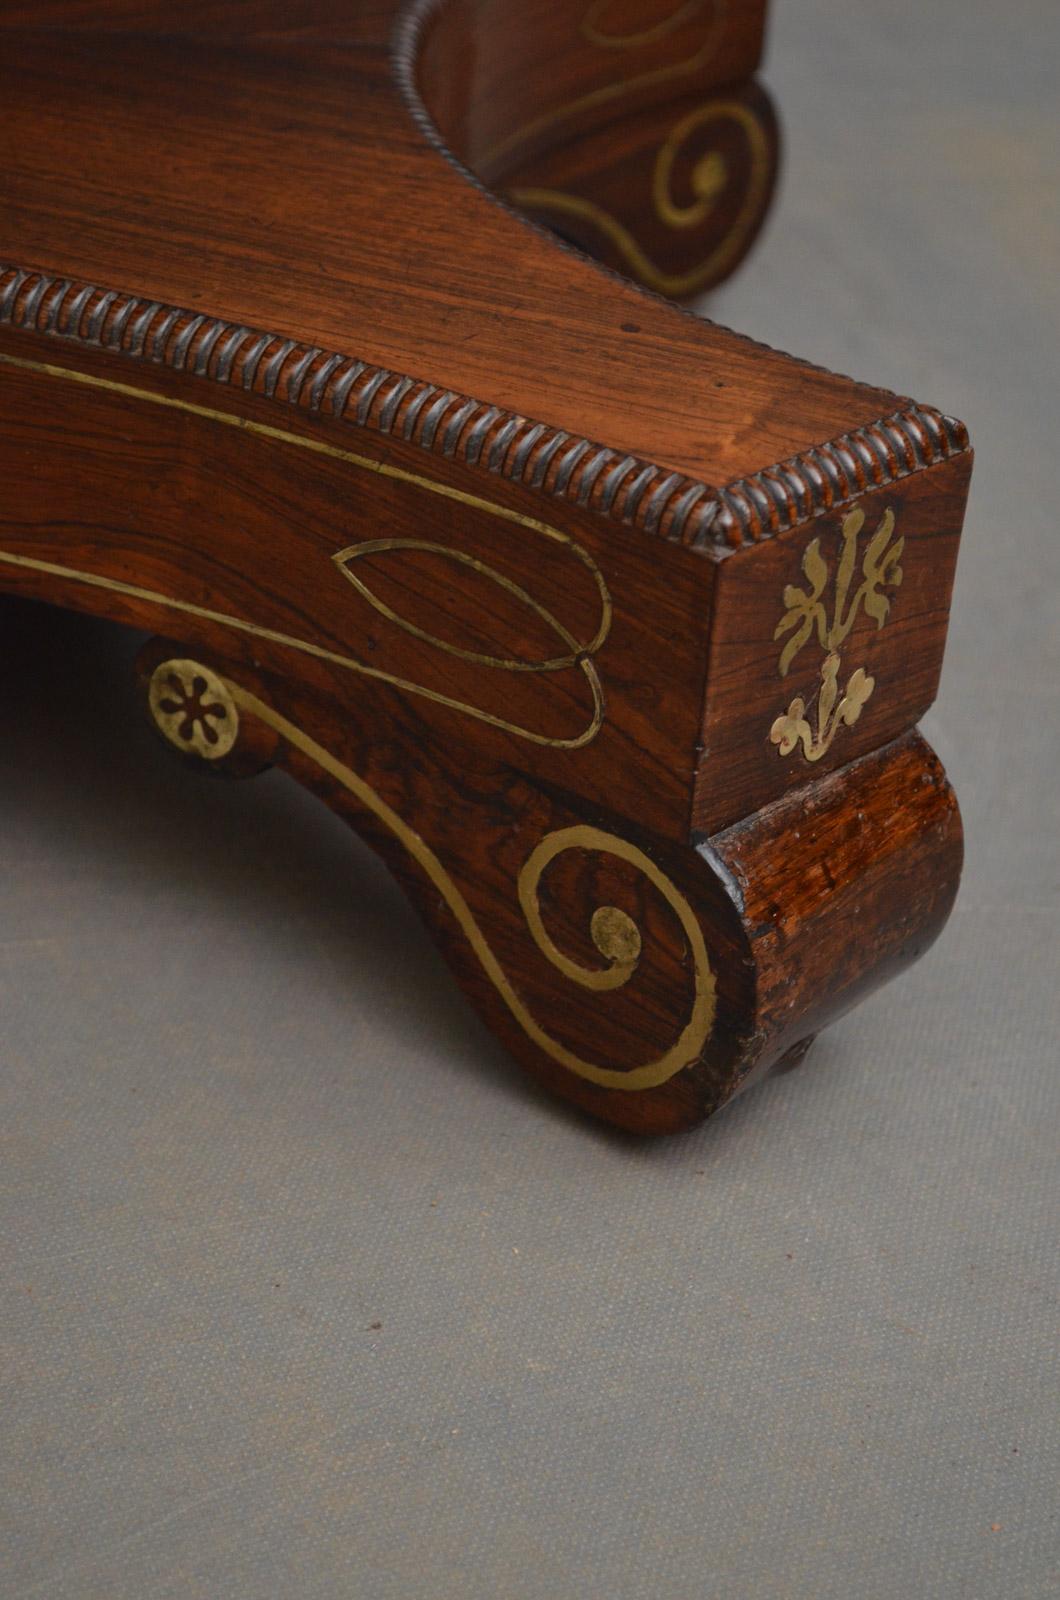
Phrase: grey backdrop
(306, 1293)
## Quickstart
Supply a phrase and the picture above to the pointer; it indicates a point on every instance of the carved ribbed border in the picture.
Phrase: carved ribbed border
(833, 474)
(543, 458)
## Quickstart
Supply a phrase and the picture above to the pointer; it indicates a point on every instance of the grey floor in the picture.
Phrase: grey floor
(306, 1294)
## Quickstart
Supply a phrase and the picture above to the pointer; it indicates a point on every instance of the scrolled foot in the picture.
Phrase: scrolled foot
(634, 129)
(645, 980)
(673, 197)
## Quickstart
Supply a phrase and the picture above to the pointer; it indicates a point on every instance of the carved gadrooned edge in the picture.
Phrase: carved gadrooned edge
(832, 474)
(625, 488)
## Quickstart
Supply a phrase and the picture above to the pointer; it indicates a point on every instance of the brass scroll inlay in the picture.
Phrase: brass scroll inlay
(593, 30)
(614, 932)
(806, 615)
(709, 177)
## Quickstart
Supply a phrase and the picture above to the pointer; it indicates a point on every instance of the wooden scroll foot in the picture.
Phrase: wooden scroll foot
(645, 981)
(673, 197)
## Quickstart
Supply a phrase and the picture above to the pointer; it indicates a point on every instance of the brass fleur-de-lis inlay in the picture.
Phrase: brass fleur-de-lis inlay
(806, 614)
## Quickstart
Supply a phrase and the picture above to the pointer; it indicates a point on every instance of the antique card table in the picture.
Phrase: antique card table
(609, 628)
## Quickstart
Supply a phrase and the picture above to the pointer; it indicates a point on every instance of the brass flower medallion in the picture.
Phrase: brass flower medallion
(193, 709)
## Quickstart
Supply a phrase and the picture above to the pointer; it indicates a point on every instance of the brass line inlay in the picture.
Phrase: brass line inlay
(578, 654)
(593, 31)
(621, 86)
(707, 186)
(611, 932)
(806, 614)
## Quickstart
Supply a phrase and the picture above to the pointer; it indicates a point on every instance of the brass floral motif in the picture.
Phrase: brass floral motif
(806, 615)
(193, 709)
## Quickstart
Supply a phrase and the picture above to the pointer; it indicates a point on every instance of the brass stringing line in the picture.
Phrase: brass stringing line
(641, 264)
(697, 1030)
(321, 447)
(502, 663)
(94, 581)
(634, 41)
(613, 91)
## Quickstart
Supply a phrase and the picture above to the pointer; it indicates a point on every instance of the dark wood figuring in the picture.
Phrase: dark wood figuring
(608, 627)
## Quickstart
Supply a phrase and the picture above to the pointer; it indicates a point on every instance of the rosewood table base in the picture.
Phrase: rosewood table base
(609, 629)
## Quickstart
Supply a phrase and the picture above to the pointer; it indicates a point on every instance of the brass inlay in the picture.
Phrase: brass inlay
(578, 654)
(614, 933)
(618, 88)
(193, 709)
(593, 30)
(806, 614)
(709, 175)
(708, 179)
